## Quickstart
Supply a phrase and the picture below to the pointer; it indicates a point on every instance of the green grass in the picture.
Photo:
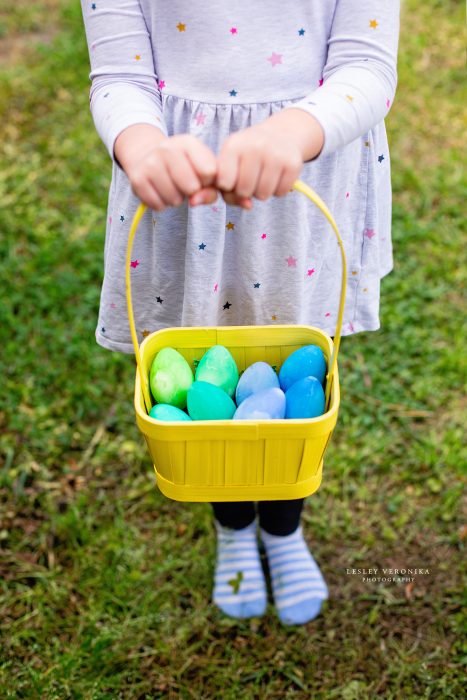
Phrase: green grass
(105, 584)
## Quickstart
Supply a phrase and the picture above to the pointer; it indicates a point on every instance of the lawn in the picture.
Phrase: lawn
(106, 584)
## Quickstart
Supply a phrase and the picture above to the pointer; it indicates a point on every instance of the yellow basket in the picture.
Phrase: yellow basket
(247, 460)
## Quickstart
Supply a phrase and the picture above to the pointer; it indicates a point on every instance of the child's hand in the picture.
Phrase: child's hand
(164, 170)
(266, 159)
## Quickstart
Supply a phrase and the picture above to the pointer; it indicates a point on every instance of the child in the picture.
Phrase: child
(227, 104)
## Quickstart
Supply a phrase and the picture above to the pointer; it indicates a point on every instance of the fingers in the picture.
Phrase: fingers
(202, 159)
(227, 167)
(206, 195)
(234, 200)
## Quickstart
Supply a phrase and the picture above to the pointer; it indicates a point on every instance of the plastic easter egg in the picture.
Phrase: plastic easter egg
(308, 361)
(218, 367)
(170, 377)
(208, 402)
(164, 411)
(305, 399)
(257, 377)
(269, 404)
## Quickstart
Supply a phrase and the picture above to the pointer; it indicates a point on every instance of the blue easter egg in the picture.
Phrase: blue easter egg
(209, 402)
(257, 377)
(308, 361)
(164, 411)
(305, 399)
(269, 404)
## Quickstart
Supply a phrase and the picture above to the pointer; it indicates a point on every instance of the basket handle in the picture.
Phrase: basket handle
(316, 199)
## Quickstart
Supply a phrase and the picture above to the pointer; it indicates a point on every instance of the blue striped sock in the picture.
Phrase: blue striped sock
(297, 583)
(239, 584)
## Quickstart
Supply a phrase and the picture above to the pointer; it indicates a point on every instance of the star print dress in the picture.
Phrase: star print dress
(211, 69)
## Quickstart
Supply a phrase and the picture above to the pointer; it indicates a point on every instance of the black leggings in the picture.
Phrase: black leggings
(276, 517)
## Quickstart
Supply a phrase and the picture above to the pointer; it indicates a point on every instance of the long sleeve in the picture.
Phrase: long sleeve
(360, 74)
(124, 89)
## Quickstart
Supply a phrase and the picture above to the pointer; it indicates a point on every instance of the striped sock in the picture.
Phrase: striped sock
(297, 583)
(239, 584)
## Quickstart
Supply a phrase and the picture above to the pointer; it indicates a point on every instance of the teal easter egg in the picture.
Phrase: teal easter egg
(305, 399)
(218, 367)
(308, 361)
(164, 411)
(209, 402)
(170, 377)
(257, 377)
(269, 404)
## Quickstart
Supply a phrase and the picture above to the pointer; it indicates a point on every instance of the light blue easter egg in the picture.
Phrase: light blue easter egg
(269, 404)
(305, 399)
(218, 367)
(308, 361)
(208, 402)
(257, 377)
(164, 411)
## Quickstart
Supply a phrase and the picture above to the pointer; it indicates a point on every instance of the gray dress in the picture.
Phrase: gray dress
(187, 68)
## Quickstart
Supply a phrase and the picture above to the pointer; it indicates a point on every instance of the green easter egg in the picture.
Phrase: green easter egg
(208, 402)
(164, 411)
(170, 377)
(218, 367)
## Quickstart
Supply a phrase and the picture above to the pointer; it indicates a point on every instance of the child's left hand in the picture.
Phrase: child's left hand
(266, 159)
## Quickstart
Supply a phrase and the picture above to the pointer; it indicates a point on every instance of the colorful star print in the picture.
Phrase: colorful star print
(230, 226)
(107, 94)
(113, 306)
(202, 246)
(138, 57)
(380, 158)
(145, 333)
(216, 209)
(227, 305)
(159, 300)
(161, 84)
(388, 103)
(349, 98)
(327, 314)
(369, 233)
(291, 261)
(354, 272)
(274, 317)
(263, 235)
(134, 263)
(233, 30)
(373, 23)
(275, 59)
(310, 272)
(256, 285)
(347, 195)
(102, 329)
(93, 6)
(199, 119)
(367, 144)
(301, 32)
(320, 82)
(216, 287)
(122, 218)
(233, 93)
(181, 27)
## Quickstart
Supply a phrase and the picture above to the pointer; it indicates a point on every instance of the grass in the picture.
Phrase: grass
(105, 584)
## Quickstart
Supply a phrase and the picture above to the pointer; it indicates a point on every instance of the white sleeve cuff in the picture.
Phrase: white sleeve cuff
(120, 105)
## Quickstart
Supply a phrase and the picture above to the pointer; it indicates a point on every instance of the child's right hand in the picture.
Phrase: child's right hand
(163, 170)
